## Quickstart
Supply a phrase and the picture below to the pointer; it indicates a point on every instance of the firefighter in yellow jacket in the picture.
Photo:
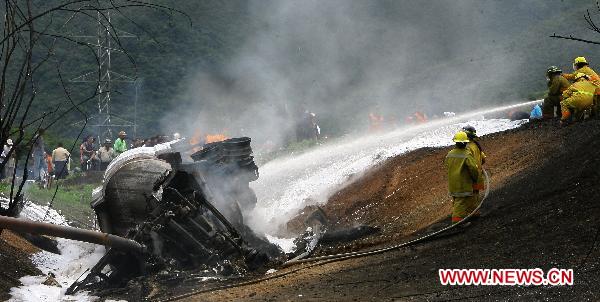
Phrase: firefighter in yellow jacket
(475, 148)
(463, 172)
(577, 98)
(580, 65)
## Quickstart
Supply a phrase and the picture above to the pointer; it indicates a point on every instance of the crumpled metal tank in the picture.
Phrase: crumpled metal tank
(185, 213)
(127, 188)
(220, 170)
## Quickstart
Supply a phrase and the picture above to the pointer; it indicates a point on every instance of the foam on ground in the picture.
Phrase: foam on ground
(287, 185)
(76, 257)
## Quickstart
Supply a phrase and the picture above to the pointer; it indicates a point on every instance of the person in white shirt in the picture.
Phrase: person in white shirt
(60, 158)
(106, 154)
(9, 168)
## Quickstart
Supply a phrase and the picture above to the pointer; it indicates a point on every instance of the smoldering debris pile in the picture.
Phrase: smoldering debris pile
(186, 214)
(171, 217)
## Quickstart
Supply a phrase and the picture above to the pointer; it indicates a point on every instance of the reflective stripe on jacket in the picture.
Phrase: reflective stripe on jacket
(462, 172)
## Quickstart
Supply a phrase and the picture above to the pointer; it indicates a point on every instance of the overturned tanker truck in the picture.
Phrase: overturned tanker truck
(163, 210)
(185, 214)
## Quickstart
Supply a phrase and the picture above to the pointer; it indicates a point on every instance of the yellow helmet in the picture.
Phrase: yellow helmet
(461, 137)
(580, 75)
(580, 60)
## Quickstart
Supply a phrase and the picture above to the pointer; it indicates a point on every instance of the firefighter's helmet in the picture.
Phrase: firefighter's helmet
(553, 69)
(580, 60)
(461, 137)
(470, 131)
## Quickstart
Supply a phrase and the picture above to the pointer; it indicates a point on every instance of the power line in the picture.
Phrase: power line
(103, 120)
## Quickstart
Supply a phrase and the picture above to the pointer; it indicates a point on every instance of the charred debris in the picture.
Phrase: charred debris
(186, 214)
(169, 213)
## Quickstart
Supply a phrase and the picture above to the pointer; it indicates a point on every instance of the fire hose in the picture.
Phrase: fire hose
(34, 227)
(352, 254)
(321, 260)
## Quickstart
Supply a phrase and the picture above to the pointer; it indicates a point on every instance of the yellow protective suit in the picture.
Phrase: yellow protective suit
(576, 98)
(463, 172)
(556, 86)
(586, 70)
(479, 158)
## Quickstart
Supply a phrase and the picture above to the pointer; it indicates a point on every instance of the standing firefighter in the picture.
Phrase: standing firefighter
(557, 84)
(577, 98)
(475, 148)
(463, 172)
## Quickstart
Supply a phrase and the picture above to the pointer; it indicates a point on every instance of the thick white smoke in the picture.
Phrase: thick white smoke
(341, 59)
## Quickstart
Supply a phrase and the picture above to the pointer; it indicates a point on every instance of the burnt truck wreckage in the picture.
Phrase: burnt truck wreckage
(185, 214)
(166, 209)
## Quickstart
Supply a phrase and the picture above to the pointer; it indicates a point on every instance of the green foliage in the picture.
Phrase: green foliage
(171, 47)
(5, 187)
(168, 47)
(72, 201)
(79, 195)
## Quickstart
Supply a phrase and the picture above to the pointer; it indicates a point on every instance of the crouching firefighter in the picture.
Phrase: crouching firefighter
(463, 172)
(580, 65)
(577, 98)
(557, 84)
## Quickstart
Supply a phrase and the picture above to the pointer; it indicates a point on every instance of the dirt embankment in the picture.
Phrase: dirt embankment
(542, 213)
(14, 262)
(409, 192)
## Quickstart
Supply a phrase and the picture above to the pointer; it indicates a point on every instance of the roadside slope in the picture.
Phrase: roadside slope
(542, 213)
(14, 262)
(409, 192)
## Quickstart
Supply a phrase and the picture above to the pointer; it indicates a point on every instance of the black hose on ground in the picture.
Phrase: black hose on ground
(382, 250)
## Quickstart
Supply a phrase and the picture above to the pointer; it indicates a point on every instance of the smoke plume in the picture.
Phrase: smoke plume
(343, 59)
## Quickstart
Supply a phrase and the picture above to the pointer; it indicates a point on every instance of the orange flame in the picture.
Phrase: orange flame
(213, 138)
(200, 139)
(196, 137)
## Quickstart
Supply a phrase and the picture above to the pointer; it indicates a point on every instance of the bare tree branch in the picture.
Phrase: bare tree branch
(574, 39)
(28, 44)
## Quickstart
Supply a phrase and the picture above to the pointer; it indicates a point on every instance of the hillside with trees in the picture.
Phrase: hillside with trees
(172, 49)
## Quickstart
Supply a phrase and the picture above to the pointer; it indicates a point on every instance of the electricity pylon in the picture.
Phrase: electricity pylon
(104, 121)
